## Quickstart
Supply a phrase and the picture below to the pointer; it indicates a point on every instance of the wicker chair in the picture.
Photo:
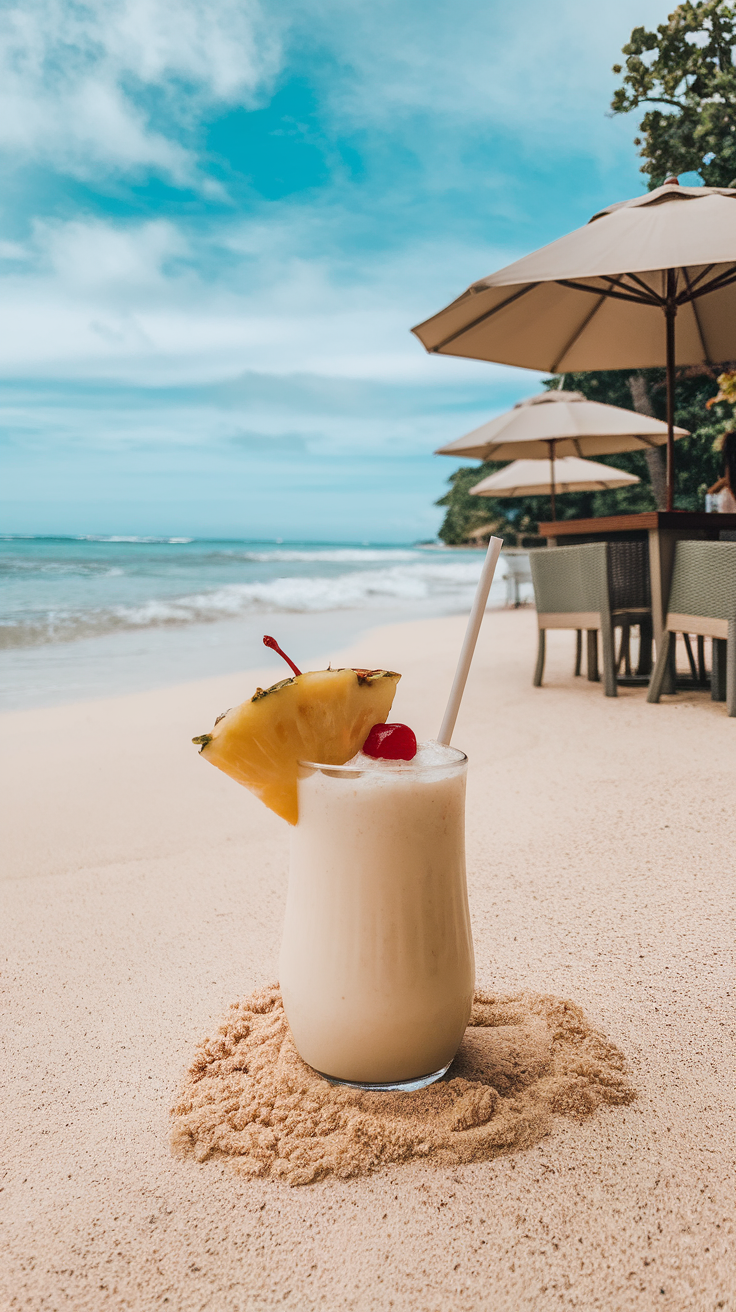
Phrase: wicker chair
(702, 601)
(594, 586)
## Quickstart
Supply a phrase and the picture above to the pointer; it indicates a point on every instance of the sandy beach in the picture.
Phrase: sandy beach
(143, 893)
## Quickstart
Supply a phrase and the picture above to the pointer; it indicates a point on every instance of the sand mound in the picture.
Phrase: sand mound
(248, 1095)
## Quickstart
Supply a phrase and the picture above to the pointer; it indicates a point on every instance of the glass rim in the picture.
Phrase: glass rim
(409, 766)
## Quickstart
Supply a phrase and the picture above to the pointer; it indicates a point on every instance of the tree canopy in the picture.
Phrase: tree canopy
(686, 66)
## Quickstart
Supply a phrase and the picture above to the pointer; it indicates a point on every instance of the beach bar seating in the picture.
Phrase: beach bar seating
(596, 587)
(517, 573)
(702, 601)
(659, 529)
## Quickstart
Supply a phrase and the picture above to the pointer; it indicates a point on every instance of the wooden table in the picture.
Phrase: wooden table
(662, 528)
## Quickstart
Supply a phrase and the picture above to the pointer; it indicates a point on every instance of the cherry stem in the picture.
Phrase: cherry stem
(272, 643)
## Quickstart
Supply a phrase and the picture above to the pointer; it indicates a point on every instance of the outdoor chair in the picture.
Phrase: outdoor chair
(597, 586)
(702, 601)
(517, 573)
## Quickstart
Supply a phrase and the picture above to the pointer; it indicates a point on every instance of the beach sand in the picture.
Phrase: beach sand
(144, 892)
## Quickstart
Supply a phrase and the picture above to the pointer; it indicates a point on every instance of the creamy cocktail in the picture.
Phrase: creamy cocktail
(376, 964)
(377, 969)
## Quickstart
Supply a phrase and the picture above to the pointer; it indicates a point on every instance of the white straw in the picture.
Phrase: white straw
(471, 637)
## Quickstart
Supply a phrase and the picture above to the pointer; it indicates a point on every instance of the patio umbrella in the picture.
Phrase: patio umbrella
(576, 427)
(536, 478)
(608, 296)
(559, 423)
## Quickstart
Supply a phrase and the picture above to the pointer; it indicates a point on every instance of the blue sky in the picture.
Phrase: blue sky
(221, 219)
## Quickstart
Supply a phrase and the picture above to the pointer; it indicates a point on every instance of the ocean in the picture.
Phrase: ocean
(94, 616)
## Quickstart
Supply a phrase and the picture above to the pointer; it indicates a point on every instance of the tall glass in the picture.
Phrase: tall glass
(377, 968)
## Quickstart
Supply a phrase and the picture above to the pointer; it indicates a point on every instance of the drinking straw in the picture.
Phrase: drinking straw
(471, 637)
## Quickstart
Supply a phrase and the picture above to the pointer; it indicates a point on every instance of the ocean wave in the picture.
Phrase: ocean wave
(316, 555)
(10, 565)
(118, 537)
(452, 580)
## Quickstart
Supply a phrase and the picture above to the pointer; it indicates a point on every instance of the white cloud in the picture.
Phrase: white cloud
(302, 289)
(73, 77)
(83, 255)
(483, 61)
(13, 250)
(96, 299)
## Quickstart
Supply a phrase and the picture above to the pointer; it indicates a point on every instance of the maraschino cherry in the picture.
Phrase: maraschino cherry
(391, 742)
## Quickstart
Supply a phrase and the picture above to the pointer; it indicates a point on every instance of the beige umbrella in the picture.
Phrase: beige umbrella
(576, 426)
(534, 478)
(560, 423)
(607, 295)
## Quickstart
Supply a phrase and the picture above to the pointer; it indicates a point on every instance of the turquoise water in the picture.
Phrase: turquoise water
(99, 616)
(62, 589)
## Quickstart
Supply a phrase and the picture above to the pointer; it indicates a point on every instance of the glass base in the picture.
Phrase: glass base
(393, 1086)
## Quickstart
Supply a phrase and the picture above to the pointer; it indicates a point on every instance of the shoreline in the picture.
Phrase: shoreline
(159, 657)
(144, 892)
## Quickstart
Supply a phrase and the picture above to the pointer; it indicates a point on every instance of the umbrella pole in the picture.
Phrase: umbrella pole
(551, 447)
(670, 312)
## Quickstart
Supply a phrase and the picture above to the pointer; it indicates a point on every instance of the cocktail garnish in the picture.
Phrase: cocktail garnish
(272, 643)
(391, 742)
(321, 715)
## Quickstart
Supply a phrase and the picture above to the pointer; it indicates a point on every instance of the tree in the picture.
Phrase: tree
(687, 67)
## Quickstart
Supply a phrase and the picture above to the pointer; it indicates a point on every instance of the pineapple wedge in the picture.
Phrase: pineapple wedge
(322, 715)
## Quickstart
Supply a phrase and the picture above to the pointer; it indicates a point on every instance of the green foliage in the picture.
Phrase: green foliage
(686, 66)
(697, 465)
